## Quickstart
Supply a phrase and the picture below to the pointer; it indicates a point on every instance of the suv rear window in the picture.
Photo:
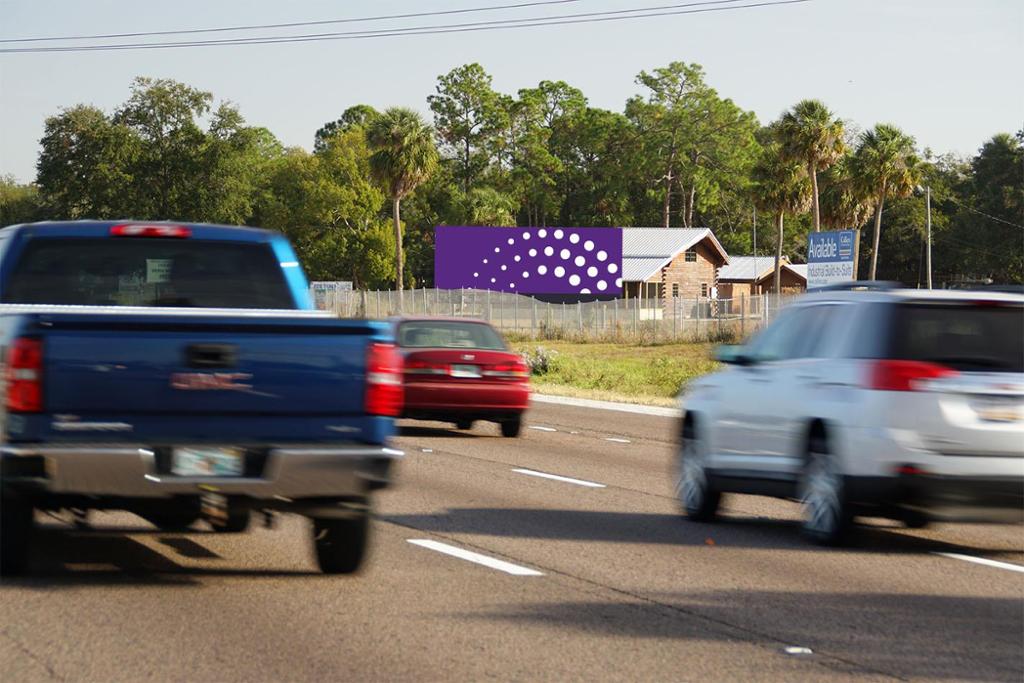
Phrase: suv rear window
(147, 272)
(433, 334)
(968, 337)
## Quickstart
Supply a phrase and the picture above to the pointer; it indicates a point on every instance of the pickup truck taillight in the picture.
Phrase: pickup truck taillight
(24, 375)
(904, 375)
(384, 393)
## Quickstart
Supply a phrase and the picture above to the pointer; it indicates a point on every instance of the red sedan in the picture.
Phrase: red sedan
(458, 371)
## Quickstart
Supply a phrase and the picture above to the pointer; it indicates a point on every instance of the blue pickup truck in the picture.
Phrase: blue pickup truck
(176, 371)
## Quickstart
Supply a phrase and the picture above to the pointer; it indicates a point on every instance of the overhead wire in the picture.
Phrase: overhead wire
(580, 18)
(293, 24)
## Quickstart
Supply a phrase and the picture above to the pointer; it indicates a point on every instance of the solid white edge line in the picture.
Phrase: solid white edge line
(606, 405)
(988, 563)
(470, 556)
(543, 429)
(567, 480)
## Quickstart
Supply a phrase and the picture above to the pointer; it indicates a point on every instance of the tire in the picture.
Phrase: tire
(697, 497)
(464, 425)
(340, 544)
(511, 428)
(15, 534)
(237, 521)
(825, 513)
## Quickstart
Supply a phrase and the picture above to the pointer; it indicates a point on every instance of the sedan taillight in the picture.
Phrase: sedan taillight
(24, 375)
(904, 375)
(384, 394)
(512, 370)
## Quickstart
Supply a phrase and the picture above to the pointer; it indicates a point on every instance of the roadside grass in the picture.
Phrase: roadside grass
(649, 374)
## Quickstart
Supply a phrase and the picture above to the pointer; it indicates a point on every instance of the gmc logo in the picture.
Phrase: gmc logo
(211, 381)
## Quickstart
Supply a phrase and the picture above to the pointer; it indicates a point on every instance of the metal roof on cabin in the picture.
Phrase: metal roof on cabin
(645, 251)
(746, 269)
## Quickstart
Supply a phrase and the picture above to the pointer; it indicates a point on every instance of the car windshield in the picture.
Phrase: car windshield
(147, 272)
(967, 337)
(449, 334)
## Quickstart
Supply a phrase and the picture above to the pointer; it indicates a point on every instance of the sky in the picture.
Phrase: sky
(946, 71)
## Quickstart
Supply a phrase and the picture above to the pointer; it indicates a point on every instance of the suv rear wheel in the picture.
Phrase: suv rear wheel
(694, 491)
(826, 514)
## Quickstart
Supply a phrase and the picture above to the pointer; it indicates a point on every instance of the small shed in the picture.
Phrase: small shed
(749, 275)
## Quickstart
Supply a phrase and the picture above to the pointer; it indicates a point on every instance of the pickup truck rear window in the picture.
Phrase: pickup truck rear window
(147, 272)
(970, 337)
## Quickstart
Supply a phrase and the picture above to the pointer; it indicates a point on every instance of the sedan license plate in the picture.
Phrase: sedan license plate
(469, 371)
(207, 462)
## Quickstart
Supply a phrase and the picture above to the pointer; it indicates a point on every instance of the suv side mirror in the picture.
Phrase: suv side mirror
(733, 354)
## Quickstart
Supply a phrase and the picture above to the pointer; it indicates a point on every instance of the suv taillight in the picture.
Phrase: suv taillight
(383, 380)
(24, 375)
(904, 375)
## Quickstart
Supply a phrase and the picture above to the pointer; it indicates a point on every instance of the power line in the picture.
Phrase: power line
(982, 213)
(293, 24)
(592, 17)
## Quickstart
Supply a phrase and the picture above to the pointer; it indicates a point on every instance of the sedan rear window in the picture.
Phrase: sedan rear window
(968, 337)
(444, 334)
(148, 272)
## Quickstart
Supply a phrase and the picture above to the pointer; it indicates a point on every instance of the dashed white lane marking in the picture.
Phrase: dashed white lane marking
(988, 563)
(797, 650)
(470, 556)
(543, 429)
(567, 480)
(617, 440)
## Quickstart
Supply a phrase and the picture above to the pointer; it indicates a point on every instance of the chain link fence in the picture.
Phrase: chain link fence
(520, 316)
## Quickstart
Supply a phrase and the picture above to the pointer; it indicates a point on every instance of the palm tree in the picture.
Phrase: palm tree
(781, 188)
(844, 204)
(404, 156)
(886, 165)
(811, 135)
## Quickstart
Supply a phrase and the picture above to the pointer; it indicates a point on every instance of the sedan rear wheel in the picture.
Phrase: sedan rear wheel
(826, 516)
(511, 428)
(694, 491)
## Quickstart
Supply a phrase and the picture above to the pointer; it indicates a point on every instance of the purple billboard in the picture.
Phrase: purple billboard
(529, 260)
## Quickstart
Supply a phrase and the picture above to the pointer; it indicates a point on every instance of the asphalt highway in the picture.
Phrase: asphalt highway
(557, 556)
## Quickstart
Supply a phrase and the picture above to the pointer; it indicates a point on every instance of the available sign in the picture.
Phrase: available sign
(831, 257)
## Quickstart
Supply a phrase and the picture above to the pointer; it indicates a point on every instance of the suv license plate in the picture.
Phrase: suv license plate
(207, 462)
(470, 371)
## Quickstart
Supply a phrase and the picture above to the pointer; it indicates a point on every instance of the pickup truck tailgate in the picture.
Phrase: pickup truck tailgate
(201, 365)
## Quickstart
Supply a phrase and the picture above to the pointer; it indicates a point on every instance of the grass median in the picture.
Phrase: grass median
(630, 373)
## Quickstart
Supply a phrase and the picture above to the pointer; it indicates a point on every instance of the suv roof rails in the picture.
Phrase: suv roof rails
(858, 286)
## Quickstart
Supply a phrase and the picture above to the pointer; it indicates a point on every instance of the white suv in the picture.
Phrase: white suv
(875, 401)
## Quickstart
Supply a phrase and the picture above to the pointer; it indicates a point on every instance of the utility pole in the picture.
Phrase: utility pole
(928, 253)
(755, 238)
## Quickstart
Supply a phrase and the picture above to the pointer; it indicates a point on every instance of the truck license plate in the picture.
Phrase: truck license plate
(471, 371)
(207, 462)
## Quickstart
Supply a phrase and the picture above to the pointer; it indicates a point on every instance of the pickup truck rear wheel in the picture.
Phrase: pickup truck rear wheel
(511, 428)
(340, 544)
(172, 521)
(15, 534)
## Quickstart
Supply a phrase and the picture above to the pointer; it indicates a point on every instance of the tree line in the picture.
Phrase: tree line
(363, 203)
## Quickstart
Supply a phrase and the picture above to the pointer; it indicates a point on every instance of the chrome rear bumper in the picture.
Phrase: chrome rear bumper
(131, 471)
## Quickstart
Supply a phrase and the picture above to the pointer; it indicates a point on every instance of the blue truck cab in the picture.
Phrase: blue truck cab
(177, 371)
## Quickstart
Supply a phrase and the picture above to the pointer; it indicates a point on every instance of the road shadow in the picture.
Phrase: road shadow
(662, 529)
(903, 635)
(437, 432)
(105, 557)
